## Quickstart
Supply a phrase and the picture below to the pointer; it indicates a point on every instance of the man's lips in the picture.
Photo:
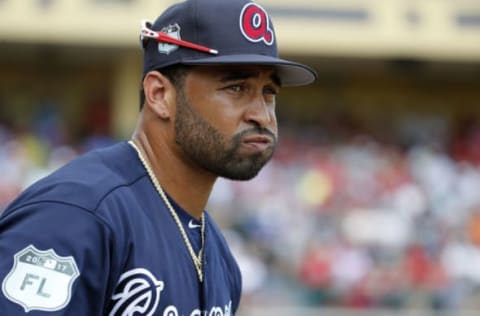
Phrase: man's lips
(258, 142)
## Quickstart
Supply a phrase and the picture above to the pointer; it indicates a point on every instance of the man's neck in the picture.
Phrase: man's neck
(189, 185)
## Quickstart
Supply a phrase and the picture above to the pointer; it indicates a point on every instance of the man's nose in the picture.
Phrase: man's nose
(260, 112)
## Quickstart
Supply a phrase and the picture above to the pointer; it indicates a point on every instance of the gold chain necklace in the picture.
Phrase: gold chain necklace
(197, 260)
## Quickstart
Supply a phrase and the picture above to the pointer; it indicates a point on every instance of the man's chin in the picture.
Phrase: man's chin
(244, 171)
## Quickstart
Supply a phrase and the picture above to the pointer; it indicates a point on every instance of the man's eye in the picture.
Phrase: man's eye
(270, 91)
(235, 88)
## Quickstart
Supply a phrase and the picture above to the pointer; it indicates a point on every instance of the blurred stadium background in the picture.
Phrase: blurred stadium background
(371, 205)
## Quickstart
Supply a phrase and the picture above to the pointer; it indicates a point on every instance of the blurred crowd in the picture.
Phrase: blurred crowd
(343, 218)
(351, 220)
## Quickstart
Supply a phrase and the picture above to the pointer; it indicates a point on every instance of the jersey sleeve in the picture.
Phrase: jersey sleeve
(55, 258)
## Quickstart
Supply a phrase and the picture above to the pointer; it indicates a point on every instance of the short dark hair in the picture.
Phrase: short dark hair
(175, 73)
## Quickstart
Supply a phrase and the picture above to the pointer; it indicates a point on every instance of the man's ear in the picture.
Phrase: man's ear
(160, 94)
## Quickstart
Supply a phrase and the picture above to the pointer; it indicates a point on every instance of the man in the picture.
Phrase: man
(122, 230)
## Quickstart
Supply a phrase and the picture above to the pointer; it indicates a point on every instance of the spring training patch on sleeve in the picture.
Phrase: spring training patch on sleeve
(40, 279)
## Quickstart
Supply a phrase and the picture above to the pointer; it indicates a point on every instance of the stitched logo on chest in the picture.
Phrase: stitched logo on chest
(192, 225)
(137, 293)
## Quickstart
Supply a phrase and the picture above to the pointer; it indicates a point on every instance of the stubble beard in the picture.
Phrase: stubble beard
(207, 147)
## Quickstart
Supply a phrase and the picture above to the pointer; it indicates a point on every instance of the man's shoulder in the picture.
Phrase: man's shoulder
(86, 180)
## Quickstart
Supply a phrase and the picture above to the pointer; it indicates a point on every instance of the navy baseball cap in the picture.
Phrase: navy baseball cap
(215, 32)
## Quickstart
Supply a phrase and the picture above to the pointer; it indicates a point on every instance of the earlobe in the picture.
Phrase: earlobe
(159, 94)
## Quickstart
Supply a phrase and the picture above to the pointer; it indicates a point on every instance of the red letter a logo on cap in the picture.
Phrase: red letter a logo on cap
(255, 24)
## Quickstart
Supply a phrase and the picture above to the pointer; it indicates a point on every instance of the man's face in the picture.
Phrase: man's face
(225, 119)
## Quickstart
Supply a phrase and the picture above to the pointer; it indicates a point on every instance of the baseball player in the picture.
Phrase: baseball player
(122, 230)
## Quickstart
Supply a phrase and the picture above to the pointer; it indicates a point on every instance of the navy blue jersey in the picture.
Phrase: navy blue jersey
(95, 238)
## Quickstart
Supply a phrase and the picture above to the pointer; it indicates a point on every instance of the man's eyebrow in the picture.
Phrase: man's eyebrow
(237, 75)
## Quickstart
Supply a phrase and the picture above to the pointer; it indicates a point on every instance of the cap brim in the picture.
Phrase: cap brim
(290, 73)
